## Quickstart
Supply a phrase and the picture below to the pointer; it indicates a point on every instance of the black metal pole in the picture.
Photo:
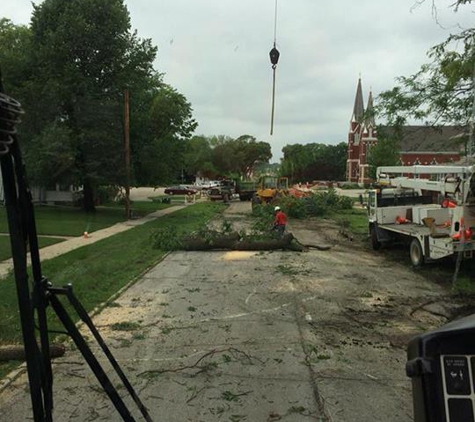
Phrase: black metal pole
(88, 355)
(21, 280)
(87, 320)
(40, 301)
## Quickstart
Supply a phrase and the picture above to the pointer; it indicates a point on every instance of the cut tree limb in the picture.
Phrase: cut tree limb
(233, 241)
(17, 352)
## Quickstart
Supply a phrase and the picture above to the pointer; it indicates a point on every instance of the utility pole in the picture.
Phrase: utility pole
(127, 152)
(471, 125)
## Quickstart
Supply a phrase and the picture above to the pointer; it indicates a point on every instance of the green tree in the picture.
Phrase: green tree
(14, 60)
(164, 123)
(314, 161)
(384, 153)
(248, 153)
(85, 55)
(441, 92)
(199, 157)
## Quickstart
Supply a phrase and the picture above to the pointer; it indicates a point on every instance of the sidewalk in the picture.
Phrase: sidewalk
(78, 242)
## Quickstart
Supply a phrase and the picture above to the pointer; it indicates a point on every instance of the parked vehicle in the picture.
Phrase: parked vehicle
(224, 192)
(208, 185)
(180, 190)
(215, 194)
(431, 208)
(246, 190)
(270, 187)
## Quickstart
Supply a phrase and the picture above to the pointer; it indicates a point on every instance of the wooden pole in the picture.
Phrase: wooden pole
(127, 152)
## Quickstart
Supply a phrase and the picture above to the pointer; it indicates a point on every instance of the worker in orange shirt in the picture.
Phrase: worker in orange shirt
(280, 221)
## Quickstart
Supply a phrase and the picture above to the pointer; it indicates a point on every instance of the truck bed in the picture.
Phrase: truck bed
(412, 229)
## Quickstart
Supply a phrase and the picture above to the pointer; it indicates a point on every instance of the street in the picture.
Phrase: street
(257, 336)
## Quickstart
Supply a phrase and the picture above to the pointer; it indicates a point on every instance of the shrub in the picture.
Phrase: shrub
(166, 239)
(318, 204)
(293, 207)
(106, 194)
(348, 185)
(264, 214)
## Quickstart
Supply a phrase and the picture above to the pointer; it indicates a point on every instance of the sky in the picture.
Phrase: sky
(216, 53)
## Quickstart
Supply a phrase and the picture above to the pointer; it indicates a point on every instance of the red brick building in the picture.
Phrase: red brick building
(418, 144)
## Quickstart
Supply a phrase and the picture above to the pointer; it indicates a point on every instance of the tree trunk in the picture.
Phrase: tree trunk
(88, 200)
(213, 240)
(217, 241)
(18, 352)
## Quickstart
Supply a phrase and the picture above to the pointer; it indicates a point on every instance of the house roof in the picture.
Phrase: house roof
(428, 138)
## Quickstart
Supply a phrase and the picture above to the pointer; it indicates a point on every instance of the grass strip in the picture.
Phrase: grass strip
(99, 270)
(5, 249)
(71, 221)
(355, 220)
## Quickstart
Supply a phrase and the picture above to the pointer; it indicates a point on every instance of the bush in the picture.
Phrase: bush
(105, 194)
(166, 239)
(318, 204)
(293, 207)
(348, 185)
(264, 214)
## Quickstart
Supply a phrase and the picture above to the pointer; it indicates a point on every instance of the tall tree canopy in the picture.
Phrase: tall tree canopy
(69, 69)
(314, 162)
(224, 156)
(441, 92)
(161, 123)
(384, 153)
(85, 56)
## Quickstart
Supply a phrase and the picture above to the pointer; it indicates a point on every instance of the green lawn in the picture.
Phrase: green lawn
(140, 208)
(99, 270)
(70, 221)
(5, 250)
(355, 220)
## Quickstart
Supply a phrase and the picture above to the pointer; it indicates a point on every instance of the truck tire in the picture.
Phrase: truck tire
(375, 243)
(256, 199)
(416, 254)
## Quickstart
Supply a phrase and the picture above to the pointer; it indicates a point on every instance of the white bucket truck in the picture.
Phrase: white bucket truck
(430, 208)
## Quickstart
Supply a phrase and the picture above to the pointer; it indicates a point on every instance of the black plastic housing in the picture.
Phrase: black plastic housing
(441, 364)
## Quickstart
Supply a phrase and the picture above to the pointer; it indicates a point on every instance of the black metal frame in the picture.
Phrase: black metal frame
(33, 304)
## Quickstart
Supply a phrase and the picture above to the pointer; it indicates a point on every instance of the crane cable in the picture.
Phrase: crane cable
(274, 59)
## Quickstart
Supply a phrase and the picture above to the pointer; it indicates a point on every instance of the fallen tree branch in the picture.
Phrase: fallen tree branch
(17, 352)
(196, 365)
(318, 247)
(236, 242)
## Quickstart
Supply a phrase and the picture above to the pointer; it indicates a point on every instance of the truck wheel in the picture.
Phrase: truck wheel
(375, 243)
(256, 199)
(416, 254)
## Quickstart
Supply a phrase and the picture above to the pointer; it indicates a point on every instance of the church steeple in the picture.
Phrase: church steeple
(358, 109)
(369, 121)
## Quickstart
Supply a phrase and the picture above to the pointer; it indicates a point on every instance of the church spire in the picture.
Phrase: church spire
(369, 121)
(358, 109)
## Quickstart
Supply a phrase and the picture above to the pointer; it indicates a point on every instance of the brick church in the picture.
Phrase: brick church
(418, 144)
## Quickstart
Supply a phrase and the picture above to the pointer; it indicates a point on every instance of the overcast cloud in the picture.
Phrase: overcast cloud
(215, 52)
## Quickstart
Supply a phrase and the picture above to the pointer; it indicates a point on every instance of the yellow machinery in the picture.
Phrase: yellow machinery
(271, 187)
